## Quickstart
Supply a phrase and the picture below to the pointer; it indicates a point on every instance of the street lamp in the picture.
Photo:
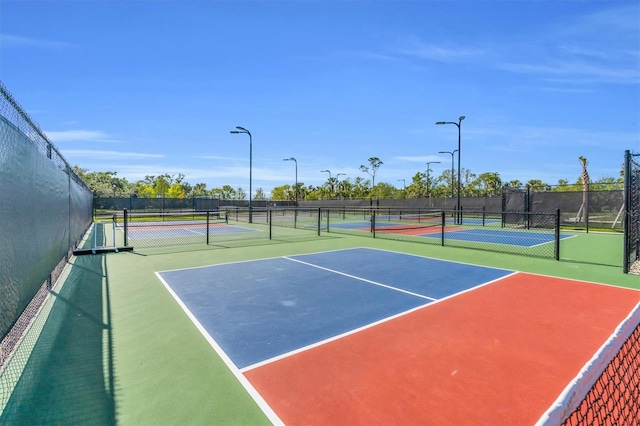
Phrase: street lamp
(428, 169)
(243, 130)
(330, 181)
(404, 185)
(450, 152)
(338, 181)
(296, 161)
(459, 123)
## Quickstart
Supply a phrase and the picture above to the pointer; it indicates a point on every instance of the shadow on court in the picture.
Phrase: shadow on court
(68, 378)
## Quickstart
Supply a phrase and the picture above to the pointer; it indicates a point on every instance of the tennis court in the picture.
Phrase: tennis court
(369, 336)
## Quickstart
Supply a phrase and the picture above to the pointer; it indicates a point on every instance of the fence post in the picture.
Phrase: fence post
(586, 207)
(126, 226)
(207, 227)
(373, 223)
(115, 223)
(328, 216)
(270, 219)
(626, 218)
(557, 236)
(444, 219)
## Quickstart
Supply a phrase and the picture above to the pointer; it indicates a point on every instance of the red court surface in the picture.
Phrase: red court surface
(499, 355)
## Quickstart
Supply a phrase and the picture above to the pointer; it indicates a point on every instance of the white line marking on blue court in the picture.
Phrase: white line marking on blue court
(266, 409)
(361, 279)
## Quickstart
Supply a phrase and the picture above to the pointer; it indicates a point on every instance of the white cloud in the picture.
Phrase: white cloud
(8, 41)
(108, 155)
(79, 136)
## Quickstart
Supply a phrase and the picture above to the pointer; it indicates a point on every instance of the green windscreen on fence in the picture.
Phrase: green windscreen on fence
(44, 211)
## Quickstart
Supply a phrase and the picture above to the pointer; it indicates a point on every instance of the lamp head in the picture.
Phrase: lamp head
(245, 130)
(461, 117)
(441, 122)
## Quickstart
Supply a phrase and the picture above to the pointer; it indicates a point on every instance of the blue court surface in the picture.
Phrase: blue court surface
(258, 310)
(497, 236)
(163, 231)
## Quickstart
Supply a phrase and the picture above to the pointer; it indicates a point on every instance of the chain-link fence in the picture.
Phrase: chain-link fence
(530, 234)
(44, 212)
(590, 210)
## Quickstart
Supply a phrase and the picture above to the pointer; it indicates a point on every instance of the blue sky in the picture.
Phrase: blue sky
(148, 87)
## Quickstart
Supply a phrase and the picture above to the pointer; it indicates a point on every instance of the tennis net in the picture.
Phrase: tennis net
(607, 390)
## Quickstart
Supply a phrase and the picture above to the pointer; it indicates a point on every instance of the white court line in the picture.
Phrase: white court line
(371, 325)
(268, 411)
(362, 279)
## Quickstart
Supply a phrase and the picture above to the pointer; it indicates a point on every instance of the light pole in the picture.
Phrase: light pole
(243, 130)
(338, 181)
(330, 181)
(404, 185)
(428, 169)
(296, 161)
(450, 152)
(459, 123)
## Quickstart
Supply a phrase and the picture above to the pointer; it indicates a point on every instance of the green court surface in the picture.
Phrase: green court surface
(116, 348)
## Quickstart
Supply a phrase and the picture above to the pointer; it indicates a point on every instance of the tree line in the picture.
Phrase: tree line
(422, 184)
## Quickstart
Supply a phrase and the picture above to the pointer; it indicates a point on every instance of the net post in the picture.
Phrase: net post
(95, 237)
(557, 236)
(226, 217)
(115, 219)
(320, 220)
(207, 227)
(443, 221)
(373, 223)
(483, 214)
(125, 225)
(328, 216)
(270, 219)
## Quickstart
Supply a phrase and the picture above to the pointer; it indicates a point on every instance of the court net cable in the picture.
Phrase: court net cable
(607, 390)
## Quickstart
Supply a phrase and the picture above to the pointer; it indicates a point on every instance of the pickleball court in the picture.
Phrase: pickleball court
(368, 336)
